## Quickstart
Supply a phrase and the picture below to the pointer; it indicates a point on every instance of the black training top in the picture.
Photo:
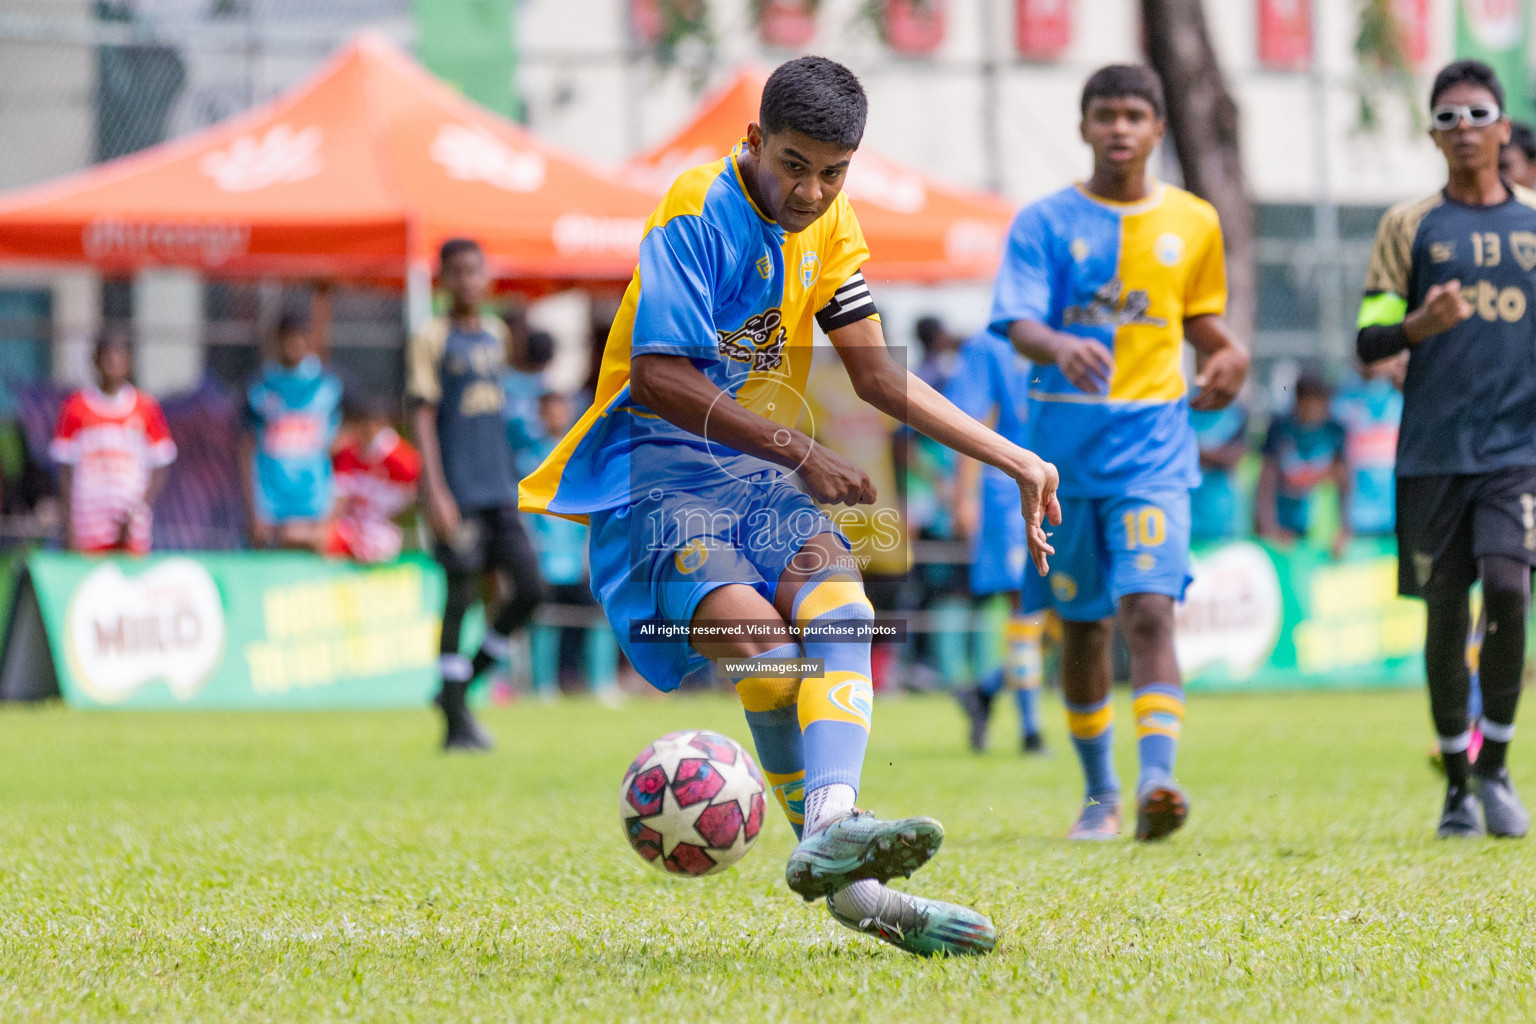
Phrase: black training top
(1469, 403)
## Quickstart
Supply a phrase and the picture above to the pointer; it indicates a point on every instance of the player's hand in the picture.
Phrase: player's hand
(1037, 480)
(1340, 545)
(443, 515)
(834, 480)
(1443, 309)
(1220, 377)
(1086, 363)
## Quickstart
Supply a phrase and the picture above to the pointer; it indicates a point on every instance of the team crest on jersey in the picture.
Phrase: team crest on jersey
(1108, 309)
(691, 557)
(765, 267)
(810, 269)
(1442, 252)
(1523, 245)
(1169, 249)
(758, 342)
(1063, 586)
(1080, 249)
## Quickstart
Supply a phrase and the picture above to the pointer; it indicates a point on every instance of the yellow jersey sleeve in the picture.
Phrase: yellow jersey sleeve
(843, 252)
(423, 352)
(1205, 291)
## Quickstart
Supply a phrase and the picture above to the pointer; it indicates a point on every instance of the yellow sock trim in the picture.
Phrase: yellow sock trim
(1158, 714)
(768, 693)
(1090, 724)
(829, 595)
(789, 791)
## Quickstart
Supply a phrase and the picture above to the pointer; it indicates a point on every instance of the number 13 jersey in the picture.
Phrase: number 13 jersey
(1469, 403)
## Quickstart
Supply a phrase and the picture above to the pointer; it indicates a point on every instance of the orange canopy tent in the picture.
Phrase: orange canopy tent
(917, 228)
(358, 173)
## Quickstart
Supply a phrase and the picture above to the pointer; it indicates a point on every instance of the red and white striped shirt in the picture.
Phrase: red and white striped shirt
(374, 483)
(113, 443)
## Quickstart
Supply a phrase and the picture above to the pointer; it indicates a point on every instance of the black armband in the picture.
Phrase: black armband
(848, 305)
(1379, 341)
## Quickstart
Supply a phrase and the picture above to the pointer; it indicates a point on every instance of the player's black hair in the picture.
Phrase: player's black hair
(1312, 383)
(1473, 72)
(1523, 138)
(111, 336)
(454, 246)
(368, 405)
(539, 349)
(1118, 80)
(292, 321)
(928, 329)
(816, 97)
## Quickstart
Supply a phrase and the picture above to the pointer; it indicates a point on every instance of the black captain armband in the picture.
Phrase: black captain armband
(1380, 341)
(848, 305)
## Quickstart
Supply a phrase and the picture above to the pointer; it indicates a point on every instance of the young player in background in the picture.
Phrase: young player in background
(1517, 157)
(1099, 287)
(1450, 282)
(1304, 448)
(376, 471)
(681, 466)
(991, 383)
(292, 412)
(112, 447)
(454, 384)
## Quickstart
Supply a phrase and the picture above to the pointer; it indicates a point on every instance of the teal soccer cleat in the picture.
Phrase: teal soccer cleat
(923, 927)
(859, 845)
(1099, 821)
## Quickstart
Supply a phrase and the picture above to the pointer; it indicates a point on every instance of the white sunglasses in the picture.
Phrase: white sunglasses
(1477, 115)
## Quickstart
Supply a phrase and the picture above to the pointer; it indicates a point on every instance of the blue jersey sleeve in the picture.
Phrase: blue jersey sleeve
(1023, 288)
(682, 263)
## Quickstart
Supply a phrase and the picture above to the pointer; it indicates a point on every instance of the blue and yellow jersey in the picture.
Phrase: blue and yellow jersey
(1128, 276)
(725, 286)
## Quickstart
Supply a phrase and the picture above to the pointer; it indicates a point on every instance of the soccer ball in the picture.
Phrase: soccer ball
(692, 803)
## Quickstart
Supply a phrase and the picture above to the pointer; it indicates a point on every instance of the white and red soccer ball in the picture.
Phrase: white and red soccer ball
(692, 803)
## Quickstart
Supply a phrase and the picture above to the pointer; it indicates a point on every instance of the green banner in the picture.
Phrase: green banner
(1260, 617)
(468, 43)
(1494, 31)
(229, 630)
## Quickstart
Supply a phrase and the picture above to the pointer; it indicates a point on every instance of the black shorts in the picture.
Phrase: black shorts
(1446, 523)
(489, 538)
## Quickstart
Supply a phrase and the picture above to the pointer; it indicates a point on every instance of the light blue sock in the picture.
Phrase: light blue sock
(1029, 710)
(1093, 737)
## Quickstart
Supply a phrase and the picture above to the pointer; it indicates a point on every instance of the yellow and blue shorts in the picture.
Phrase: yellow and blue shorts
(654, 560)
(1107, 548)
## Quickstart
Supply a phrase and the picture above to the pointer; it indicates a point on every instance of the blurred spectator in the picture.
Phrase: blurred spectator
(524, 387)
(1223, 438)
(292, 412)
(1303, 449)
(455, 368)
(1517, 158)
(1370, 406)
(112, 447)
(376, 471)
(562, 547)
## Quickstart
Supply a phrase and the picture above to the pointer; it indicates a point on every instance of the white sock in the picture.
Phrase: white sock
(858, 899)
(824, 803)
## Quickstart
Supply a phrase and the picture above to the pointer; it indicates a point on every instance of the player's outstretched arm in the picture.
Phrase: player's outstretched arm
(674, 389)
(1221, 362)
(878, 380)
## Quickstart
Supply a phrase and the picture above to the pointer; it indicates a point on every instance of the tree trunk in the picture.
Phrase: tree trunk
(1202, 118)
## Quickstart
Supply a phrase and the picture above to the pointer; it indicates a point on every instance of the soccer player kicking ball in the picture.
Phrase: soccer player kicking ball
(1451, 281)
(1100, 285)
(681, 466)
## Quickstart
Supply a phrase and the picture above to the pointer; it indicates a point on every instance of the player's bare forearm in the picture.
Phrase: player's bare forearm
(1086, 363)
(677, 391)
(157, 478)
(1221, 364)
(66, 506)
(1225, 456)
(902, 395)
(1266, 498)
(1036, 342)
(442, 511)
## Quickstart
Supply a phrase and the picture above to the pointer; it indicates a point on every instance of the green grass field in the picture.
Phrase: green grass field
(286, 867)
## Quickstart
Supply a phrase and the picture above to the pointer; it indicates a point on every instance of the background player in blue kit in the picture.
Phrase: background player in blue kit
(991, 383)
(680, 468)
(1451, 282)
(1100, 286)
